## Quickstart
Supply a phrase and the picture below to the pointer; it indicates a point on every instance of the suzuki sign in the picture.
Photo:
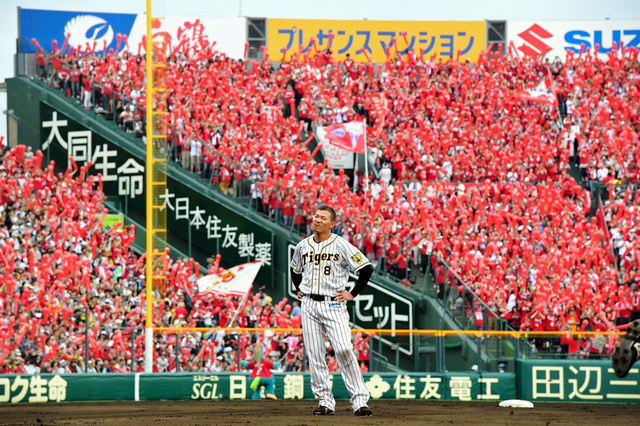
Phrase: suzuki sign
(551, 39)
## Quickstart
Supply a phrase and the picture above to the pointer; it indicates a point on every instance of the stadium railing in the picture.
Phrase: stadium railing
(443, 340)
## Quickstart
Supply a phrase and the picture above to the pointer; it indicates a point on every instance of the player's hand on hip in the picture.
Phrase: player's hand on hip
(300, 295)
(343, 296)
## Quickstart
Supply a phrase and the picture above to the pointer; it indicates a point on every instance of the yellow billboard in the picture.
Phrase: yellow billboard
(376, 39)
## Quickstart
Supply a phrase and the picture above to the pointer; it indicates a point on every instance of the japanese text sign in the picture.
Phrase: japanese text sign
(362, 39)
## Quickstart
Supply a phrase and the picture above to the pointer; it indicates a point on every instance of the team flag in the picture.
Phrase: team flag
(542, 92)
(348, 136)
(236, 281)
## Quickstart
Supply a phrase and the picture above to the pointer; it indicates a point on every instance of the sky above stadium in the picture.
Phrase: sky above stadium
(327, 9)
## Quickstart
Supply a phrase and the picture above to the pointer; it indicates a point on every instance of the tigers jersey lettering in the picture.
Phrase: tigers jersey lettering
(325, 266)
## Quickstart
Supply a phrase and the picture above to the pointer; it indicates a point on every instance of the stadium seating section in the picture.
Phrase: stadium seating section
(496, 186)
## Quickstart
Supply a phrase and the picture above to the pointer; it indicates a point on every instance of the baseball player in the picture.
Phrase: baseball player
(320, 270)
(628, 350)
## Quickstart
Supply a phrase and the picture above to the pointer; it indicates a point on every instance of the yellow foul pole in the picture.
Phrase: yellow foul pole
(148, 341)
(156, 171)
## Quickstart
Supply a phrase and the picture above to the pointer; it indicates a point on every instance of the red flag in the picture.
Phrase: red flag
(542, 92)
(236, 281)
(378, 106)
(348, 136)
(373, 134)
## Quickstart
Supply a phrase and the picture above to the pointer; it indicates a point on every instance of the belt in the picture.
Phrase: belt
(319, 298)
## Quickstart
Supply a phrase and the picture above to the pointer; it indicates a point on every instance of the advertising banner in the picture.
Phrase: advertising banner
(224, 386)
(537, 381)
(416, 386)
(552, 39)
(575, 381)
(370, 39)
(85, 28)
(67, 387)
(213, 228)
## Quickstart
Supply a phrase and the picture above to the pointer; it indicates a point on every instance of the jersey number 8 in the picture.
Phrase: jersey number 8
(327, 270)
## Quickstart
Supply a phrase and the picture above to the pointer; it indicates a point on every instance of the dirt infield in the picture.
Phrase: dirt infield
(299, 413)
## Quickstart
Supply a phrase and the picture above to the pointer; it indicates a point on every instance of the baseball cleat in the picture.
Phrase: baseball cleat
(364, 411)
(323, 411)
(628, 350)
(270, 396)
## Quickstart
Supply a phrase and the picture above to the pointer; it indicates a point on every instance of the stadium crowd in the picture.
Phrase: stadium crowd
(67, 278)
(467, 171)
(622, 216)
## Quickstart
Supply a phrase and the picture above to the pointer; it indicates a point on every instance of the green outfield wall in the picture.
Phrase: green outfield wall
(224, 386)
(575, 381)
(537, 381)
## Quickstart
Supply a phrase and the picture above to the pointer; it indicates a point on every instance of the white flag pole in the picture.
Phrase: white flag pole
(366, 161)
(355, 172)
(240, 307)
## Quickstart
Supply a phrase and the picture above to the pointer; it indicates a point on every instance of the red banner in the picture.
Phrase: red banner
(378, 106)
(348, 136)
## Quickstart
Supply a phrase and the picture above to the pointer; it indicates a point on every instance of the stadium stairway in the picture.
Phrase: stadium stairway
(33, 107)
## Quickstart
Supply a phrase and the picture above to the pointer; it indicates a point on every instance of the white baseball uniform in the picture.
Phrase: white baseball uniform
(325, 271)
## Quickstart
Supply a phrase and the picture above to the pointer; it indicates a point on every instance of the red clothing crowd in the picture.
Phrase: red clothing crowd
(468, 172)
(65, 278)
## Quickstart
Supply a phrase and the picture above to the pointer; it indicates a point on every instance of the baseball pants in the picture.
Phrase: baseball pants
(332, 319)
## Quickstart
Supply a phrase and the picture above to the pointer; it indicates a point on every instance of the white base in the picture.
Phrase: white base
(516, 403)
